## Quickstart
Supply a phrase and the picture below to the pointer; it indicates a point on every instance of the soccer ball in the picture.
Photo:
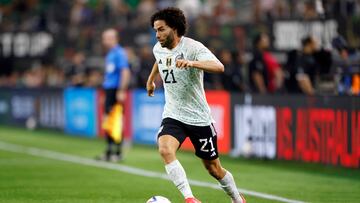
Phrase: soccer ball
(158, 199)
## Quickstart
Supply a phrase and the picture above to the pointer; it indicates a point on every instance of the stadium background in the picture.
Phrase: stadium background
(51, 64)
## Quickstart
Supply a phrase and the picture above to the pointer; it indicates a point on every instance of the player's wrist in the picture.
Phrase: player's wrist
(191, 63)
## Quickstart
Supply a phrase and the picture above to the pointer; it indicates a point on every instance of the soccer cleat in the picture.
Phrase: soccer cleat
(243, 198)
(192, 200)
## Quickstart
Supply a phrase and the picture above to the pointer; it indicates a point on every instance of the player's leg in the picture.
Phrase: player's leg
(204, 139)
(168, 146)
(170, 137)
(225, 178)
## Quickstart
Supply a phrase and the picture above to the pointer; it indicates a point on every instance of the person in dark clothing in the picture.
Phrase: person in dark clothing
(232, 78)
(265, 74)
(78, 69)
(302, 68)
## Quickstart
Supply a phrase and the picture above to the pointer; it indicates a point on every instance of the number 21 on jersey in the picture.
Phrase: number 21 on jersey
(169, 76)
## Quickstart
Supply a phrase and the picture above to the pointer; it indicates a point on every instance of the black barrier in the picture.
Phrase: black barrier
(32, 107)
(311, 129)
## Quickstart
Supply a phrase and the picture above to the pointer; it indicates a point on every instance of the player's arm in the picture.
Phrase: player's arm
(211, 66)
(150, 84)
(204, 60)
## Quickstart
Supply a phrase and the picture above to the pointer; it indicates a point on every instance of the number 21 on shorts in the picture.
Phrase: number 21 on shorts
(205, 143)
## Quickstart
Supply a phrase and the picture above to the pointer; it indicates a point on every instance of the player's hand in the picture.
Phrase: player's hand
(120, 96)
(181, 63)
(150, 87)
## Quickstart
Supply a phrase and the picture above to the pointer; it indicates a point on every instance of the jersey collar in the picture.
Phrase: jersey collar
(178, 46)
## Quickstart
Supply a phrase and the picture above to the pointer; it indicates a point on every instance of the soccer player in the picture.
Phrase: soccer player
(181, 63)
(116, 80)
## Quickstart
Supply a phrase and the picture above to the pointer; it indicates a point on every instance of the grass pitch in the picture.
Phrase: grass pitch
(28, 178)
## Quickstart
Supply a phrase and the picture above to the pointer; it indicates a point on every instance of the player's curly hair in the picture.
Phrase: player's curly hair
(173, 17)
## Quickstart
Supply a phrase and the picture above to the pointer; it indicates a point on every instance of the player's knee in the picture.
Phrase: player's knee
(214, 170)
(166, 152)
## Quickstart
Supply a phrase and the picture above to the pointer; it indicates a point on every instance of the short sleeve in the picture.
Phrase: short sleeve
(204, 54)
(122, 60)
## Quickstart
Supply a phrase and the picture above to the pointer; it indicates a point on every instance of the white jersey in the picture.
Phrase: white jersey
(184, 89)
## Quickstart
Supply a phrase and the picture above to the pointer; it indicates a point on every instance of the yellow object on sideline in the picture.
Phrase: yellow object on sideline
(113, 124)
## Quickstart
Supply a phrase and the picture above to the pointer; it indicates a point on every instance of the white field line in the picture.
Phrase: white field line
(126, 169)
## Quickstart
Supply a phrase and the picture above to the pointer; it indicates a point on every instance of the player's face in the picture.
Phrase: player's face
(109, 39)
(164, 34)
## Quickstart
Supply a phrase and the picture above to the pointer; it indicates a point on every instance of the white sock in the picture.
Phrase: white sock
(227, 183)
(177, 175)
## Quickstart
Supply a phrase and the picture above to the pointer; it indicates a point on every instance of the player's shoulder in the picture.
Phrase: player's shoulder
(157, 47)
(192, 42)
(119, 50)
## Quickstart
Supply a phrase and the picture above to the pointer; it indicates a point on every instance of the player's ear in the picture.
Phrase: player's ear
(175, 31)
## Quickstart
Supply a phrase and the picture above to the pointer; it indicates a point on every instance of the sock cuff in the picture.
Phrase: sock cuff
(226, 179)
(174, 164)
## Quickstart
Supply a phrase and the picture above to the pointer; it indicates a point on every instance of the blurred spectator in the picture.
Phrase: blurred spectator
(94, 78)
(309, 11)
(146, 63)
(34, 77)
(224, 12)
(144, 11)
(302, 68)
(191, 9)
(232, 78)
(13, 80)
(265, 10)
(344, 65)
(265, 74)
(55, 76)
(134, 65)
(77, 72)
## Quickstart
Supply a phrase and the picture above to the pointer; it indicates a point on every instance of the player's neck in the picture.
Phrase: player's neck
(175, 42)
(112, 47)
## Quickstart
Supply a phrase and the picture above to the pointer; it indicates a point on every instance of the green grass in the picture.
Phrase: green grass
(26, 178)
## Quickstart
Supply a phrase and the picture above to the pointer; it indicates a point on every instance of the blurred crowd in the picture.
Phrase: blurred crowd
(238, 31)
